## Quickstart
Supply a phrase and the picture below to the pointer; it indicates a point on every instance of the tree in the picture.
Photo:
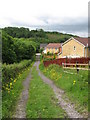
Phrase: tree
(8, 53)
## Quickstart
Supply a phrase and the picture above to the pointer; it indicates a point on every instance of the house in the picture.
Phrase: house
(43, 45)
(75, 47)
(53, 48)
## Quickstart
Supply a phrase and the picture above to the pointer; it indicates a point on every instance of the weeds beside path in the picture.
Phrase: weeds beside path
(39, 101)
(21, 106)
(42, 102)
(67, 106)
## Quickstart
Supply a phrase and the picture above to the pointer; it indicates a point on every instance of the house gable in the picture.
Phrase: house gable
(73, 39)
(73, 48)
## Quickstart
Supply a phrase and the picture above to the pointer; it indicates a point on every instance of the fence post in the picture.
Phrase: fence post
(66, 61)
(89, 64)
(77, 67)
(62, 64)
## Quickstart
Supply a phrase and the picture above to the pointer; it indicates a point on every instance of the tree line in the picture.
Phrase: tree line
(24, 32)
(14, 50)
(21, 43)
(38, 35)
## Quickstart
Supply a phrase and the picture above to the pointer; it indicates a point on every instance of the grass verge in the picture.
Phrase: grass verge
(10, 98)
(42, 102)
(74, 85)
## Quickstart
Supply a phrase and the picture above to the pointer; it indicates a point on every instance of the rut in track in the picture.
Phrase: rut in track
(21, 106)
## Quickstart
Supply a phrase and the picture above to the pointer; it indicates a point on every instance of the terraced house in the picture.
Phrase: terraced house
(75, 47)
(54, 48)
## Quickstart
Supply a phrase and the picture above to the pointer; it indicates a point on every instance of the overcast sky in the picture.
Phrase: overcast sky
(68, 16)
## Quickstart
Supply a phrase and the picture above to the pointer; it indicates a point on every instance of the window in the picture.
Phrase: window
(74, 48)
(55, 48)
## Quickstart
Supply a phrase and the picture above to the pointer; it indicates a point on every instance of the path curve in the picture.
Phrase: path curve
(21, 106)
(68, 107)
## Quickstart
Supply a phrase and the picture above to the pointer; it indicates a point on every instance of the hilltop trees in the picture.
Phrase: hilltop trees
(24, 32)
(38, 35)
(21, 43)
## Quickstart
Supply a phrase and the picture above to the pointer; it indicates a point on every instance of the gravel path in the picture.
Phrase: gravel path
(67, 106)
(21, 106)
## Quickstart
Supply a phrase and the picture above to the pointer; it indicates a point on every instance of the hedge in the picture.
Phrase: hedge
(12, 71)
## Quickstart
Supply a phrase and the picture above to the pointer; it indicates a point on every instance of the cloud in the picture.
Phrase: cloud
(51, 14)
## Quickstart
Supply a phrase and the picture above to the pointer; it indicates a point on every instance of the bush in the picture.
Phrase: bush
(16, 50)
(10, 72)
(24, 50)
(47, 59)
(41, 50)
(8, 53)
(54, 56)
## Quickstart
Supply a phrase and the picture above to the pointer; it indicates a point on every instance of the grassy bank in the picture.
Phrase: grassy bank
(11, 92)
(74, 85)
(42, 102)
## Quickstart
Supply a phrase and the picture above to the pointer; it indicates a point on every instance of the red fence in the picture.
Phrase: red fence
(67, 60)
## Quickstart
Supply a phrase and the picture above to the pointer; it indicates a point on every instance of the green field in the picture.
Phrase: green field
(74, 85)
(42, 102)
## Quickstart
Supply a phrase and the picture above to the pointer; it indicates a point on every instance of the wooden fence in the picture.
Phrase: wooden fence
(69, 61)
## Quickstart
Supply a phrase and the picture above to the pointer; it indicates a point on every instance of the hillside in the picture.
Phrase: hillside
(39, 36)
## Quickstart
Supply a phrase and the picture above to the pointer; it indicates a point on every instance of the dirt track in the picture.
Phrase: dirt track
(67, 106)
(21, 106)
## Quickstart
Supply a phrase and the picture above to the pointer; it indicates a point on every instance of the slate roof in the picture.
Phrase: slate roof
(43, 45)
(84, 41)
(54, 45)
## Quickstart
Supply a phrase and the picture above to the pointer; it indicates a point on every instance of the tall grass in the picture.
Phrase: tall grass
(42, 102)
(74, 85)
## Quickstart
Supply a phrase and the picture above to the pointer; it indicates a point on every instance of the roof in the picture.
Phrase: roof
(43, 45)
(83, 41)
(54, 45)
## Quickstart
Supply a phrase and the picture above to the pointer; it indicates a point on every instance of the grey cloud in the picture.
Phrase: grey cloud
(79, 25)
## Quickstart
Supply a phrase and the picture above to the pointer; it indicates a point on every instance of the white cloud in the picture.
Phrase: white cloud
(29, 11)
(42, 12)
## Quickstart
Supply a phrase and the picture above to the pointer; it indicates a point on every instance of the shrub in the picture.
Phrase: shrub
(41, 57)
(10, 72)
(54, 56)
(41, 50)
(8, 53)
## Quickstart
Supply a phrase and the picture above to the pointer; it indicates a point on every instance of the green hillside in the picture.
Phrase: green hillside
(39, 36)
